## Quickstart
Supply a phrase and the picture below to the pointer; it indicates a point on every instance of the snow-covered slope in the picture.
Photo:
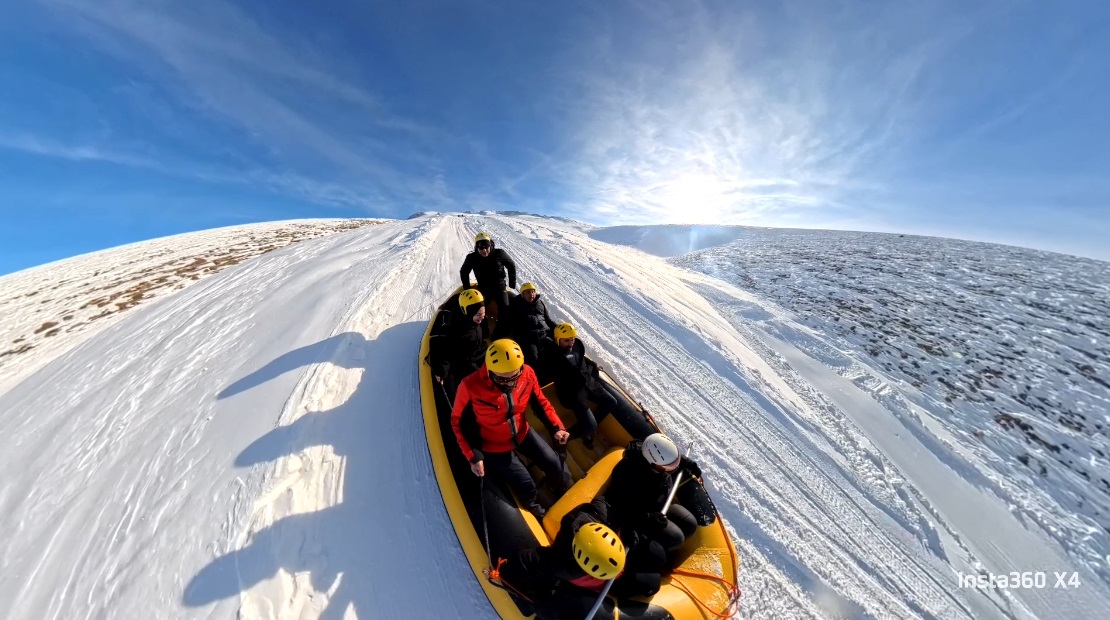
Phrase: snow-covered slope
(669, 240)
(252, 447)
(999, 357)
(84, 295)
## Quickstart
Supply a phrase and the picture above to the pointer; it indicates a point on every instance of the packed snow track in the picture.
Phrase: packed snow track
(252, 447)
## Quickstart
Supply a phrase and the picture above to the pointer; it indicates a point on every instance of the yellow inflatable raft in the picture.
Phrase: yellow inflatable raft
(701, 587)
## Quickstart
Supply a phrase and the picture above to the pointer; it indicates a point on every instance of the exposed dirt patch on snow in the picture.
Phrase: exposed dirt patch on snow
(1008, 348)
(80, 296)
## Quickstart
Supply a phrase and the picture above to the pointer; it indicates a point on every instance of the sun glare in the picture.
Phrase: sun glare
(696, 198)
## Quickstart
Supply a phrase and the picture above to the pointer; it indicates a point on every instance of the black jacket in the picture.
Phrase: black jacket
(571, 371)
(489, 271)
(456, 343)
(637, 489)
(537, 571)
(531, 323)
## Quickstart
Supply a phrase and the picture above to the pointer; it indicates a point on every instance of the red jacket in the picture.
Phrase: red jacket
(491, 409)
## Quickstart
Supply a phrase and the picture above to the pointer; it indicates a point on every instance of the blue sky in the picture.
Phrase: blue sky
(124, 120)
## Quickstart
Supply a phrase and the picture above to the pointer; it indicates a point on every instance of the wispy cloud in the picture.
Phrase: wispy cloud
(290, 184)
(750, 114)
(315, 129)
(37, 145)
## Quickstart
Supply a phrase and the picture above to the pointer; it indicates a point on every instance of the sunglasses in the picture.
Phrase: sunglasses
(484, 245)
(668, 468)
(506, 379)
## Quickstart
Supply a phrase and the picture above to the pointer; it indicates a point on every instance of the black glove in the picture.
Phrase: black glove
(657, 520)
(691, 468)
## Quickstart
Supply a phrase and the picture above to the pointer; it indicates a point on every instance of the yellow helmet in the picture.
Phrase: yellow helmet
(565, 330)
(482, 237)
(527, 286)
(599, 551)
(469, 297)
(504, 356)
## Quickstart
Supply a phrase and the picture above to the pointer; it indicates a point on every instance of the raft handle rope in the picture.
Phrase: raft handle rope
(493, 572)
(493, 576)
(733, 592)
(634, 401)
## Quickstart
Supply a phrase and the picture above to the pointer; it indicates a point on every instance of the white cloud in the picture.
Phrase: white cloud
(748, 116)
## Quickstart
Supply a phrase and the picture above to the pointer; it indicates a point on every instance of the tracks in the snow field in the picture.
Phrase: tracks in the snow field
(779, 476)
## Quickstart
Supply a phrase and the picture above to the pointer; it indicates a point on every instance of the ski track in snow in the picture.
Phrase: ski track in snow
(979, 526)
(794, 509)
(795, 431)
(134, 498)
(254, 447)
(994, 353)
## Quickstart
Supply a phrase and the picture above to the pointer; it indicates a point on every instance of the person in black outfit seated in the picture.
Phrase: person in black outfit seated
(489, 265)
(457, 346)
(532, 326)
(639, 486)
(577, 382)
(564, 579)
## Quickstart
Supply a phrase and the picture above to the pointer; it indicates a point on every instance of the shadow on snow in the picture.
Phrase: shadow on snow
(390, 528)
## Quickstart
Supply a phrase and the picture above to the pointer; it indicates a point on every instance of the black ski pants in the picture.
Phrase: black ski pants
(681, 524)
(516, 475)
(578, 402)
(500, 296)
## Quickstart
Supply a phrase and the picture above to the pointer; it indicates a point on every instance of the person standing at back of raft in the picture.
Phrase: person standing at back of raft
(498, 395)
(489, 265)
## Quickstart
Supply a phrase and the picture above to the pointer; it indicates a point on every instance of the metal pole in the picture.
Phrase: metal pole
(485, 527)
(445, 394)
(600, 599)
(677, 481)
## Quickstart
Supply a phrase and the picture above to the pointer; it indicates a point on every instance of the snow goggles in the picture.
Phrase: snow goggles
(506, 380)
(669, 468)
(484, 245)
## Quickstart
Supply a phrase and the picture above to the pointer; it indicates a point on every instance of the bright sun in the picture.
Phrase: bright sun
(695, 198)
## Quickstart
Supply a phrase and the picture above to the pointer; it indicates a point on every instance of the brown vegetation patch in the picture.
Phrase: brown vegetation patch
(124, 286)
(45, 326)
(23, 349)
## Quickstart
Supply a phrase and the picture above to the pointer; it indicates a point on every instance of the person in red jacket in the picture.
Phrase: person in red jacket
(498, 394)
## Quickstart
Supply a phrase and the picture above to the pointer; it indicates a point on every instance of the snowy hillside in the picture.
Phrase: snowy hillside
(252, 447)
(669, 240)
(999, 356)
(84, 295)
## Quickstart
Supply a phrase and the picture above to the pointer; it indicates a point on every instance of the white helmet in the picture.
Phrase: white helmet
(659, 450)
